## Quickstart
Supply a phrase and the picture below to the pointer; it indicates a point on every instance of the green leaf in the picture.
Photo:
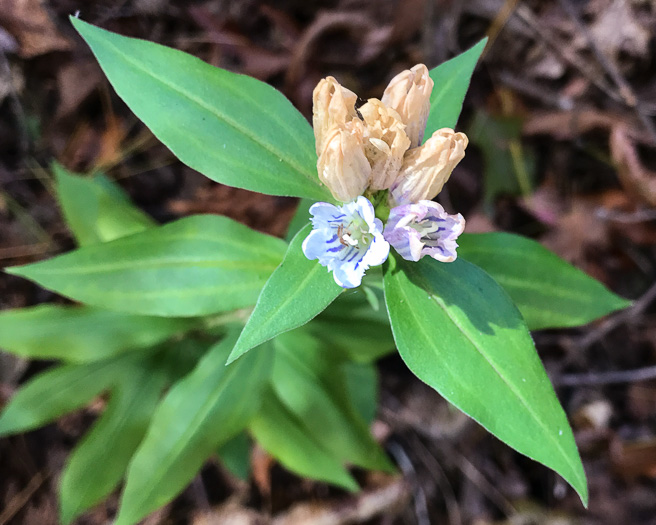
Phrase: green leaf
(194, 266)
(549, 292)
(58, 391)
(285, 437)
(459, 332)
(313, 387)
(451, 83)
(97, 210)
(201, 412)
(368, 337)
(509, 166)
(235, 455)
(295, 293)
(362, 387)
(98, 462)
(232, 128)
(81, 334)
(300, 219)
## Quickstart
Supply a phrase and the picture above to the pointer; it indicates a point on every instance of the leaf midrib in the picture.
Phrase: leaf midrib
(199, 102)
(191, 430)
(490, 363)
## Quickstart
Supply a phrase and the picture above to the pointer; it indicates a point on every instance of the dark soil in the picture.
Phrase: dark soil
(566, 92)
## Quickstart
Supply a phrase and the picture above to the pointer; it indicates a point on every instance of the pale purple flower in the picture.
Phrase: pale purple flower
(424, 228)
(347, 239)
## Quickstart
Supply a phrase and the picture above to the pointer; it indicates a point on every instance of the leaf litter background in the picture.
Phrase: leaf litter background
(560, 116)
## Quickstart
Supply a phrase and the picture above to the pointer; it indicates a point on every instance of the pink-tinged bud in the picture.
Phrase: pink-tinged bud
(332, 104)
(385, 142)
(426, 169)
(343, 166)
(409, 94)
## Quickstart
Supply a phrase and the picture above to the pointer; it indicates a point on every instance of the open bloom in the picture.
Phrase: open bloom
(424, 228)
(346, 239)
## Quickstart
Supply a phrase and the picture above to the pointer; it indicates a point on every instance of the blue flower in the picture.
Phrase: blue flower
(346, 239)
(424, 228)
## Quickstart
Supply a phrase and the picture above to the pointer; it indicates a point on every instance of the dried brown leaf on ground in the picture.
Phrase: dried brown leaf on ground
(75, 82)
(266, 213)
(568, 125)
(619, 29)
(636, 179)
(255, 60)
(30, 23)
(578, 235)
(231, 513)
(386, 500)
(261, 464)
(634, 459)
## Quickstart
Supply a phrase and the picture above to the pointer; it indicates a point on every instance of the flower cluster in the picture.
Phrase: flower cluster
(376, 150)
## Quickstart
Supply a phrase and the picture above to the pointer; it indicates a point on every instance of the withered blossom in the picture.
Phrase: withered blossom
(386, 143)
(426, 169)
(408, 93)
(387, 134)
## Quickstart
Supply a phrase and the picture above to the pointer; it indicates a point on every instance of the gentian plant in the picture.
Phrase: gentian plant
(203, 334)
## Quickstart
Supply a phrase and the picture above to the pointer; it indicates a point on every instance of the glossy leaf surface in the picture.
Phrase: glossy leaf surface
(294, 447)
(80, 334)
(313, 386)
(232, 128)
(549, 292)
(201, 412)
(459, 332)
(194, 266)
(297, 291)
(451, 83)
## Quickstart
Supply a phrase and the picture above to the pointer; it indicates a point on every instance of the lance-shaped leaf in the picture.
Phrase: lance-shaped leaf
(312, 385)
(451, 83)
(194, 266)
(368, 336)
(232, 128)
(200, 413)
(235, 455)
(80, 334)
(549, 292)
(295, 293)
(98, 462)
(58, 391)
(96, 209)
(459, 332)
(362, 387)
(286, 438)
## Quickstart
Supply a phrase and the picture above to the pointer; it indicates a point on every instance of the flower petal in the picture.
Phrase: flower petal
(346, 239)
(424, 228)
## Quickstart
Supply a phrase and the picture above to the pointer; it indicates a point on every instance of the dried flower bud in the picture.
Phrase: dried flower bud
(426, 169)
(409, 94)
(343, 166)
(385, 142)
(332, 104)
